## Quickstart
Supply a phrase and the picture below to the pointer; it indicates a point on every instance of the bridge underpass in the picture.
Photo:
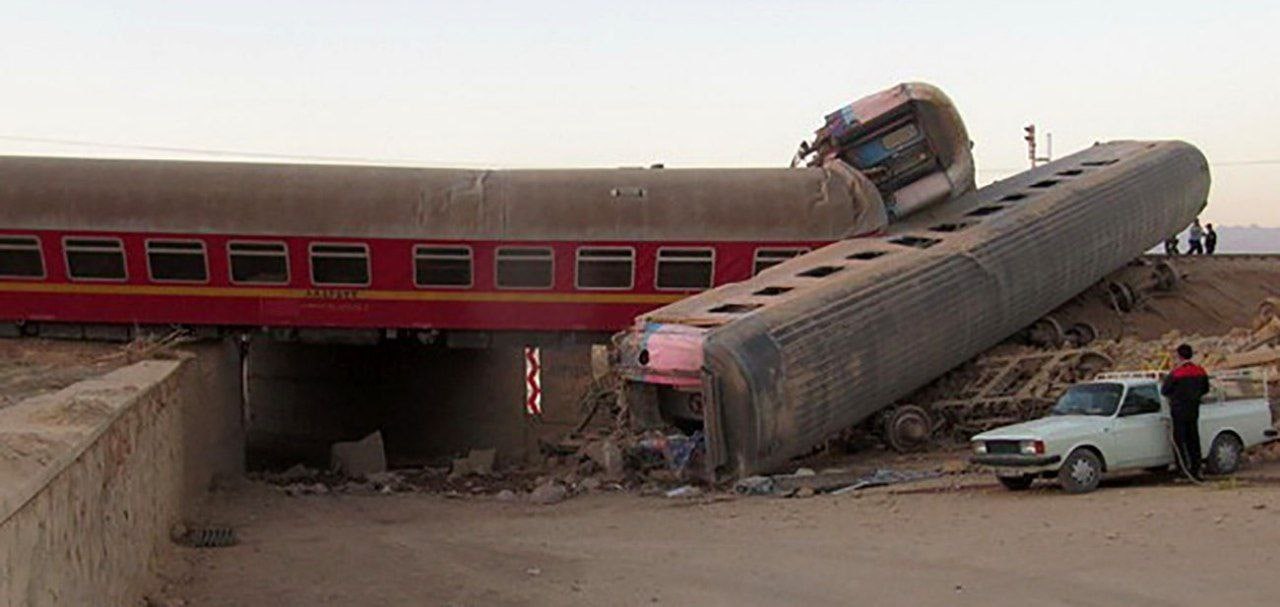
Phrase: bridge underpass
(430, 403)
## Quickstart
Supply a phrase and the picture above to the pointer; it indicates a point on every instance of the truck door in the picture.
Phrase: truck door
(1140, 431)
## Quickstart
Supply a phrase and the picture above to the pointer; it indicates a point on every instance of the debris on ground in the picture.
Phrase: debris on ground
(684, 491)
(203, 537)
(549, 492)
(359, 458)
(477, 462)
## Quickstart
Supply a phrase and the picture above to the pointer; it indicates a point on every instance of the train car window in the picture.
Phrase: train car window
(441, 266)
(20, 257)
(685, 269)
(340, 264)
(767, 258)
(264, 263)
(177, 261)
(524, 268)
(95, 258)
(606, 268)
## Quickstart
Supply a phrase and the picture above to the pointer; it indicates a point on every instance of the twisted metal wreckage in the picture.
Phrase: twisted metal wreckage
(771, 366)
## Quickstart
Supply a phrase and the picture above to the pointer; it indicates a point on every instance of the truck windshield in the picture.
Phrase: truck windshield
(1089, 399)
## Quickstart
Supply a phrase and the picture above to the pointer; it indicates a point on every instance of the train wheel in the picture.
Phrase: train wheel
(1047, 333)
(907, 428)
(1081, 334)
(1166, 277)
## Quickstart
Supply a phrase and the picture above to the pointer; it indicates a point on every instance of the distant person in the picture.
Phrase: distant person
(1184, 386)
(1210, 239)
(1194, 238)
(1171, 245)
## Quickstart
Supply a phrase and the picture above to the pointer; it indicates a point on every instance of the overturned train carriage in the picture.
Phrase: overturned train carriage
(773, 365)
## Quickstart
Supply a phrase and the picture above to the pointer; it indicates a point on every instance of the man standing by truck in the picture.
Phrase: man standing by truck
(1184, 386)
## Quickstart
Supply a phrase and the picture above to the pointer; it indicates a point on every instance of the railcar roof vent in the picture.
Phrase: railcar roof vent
(990, 209)
(919, 242)
(770, 291)
(734, 308)
(865, 255)
(819, 271)
(949, 227)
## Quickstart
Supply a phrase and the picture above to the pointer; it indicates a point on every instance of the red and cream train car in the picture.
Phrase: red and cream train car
(423, 251)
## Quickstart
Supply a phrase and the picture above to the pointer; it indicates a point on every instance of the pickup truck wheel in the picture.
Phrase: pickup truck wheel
(1081, 472)
(1224, 454)
(1017, 483)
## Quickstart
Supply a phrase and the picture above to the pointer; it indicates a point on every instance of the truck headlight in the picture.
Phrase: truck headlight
(1031, 447)
(979, 447)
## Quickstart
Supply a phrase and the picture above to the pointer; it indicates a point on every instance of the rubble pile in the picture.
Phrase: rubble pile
(1015, 382)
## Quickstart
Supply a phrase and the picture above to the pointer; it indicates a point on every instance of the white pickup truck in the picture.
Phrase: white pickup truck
(1119, 421)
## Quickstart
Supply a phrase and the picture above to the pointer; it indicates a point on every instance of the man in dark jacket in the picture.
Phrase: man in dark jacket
(1184, 386)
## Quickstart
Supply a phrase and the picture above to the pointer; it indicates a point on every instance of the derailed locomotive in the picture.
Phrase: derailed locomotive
(771, 366)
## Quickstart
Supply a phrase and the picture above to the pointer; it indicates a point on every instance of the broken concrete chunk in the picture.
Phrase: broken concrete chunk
(607, 456)
(477, 461)
(548, 493)
(359, 458)
(296, 473)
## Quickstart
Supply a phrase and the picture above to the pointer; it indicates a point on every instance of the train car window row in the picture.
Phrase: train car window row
(177, 261)
(95, 259)
(442, 266)
(339, 265)
(20, 257)
(524, 268)
(606, 268)
(685, 268)
(264, 263)
(267, 262)
(767, 258)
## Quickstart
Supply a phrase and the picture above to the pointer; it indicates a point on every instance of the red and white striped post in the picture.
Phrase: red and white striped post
(532, 381)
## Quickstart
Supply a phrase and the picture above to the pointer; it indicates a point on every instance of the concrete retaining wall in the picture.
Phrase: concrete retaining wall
(92, 478)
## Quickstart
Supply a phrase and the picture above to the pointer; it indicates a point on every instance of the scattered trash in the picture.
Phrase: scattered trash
(684, 491)
(205, 537)
(885, 476)
(755, 485)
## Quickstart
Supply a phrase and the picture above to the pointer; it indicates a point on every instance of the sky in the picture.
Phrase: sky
(601, 84)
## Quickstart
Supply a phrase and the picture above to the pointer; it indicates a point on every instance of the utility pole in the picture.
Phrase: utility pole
(1030, 138)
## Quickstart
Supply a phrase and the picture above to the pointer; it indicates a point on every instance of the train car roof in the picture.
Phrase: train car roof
(801, 204)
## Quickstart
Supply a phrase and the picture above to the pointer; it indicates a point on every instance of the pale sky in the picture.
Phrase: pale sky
(595, 84)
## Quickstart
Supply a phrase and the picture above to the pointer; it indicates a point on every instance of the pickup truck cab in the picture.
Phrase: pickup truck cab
(1119, 421)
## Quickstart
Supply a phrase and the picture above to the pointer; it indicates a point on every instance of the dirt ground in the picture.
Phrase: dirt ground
(1215, 295)
(30, 367)
(959, 540)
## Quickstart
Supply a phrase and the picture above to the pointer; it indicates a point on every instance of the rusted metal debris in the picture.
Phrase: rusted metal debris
(1008, 389)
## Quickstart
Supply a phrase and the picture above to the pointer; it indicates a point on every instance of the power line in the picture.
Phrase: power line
(203, 151)
(373, 160)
